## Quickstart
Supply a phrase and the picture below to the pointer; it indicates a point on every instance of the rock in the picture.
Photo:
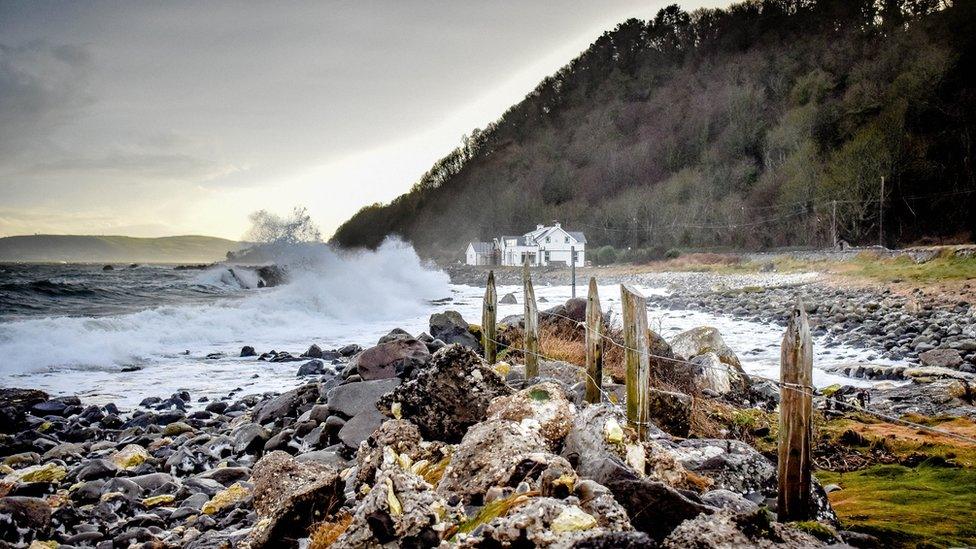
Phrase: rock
(351, 399)
(670, 410)
(350, 350)
(600, 450)
(701, 340)
(287, 404)
(312, 368)
(398, 357)
(714, 375)
(247, 350)
(360, 427)
(176, 428)
(313, 352)
(130, 457)
(288, 496)
(49, 472)
(542, 407)
(487, 456)
(249, 438)
(49, 408)
(162, 499)
(726, 529)
(726, 499)
(24, 519)
(402, 510)
(447, 397)
(14, 404)
(449, 327)
(941, 358)
(394, 335)
(225, 498)
(96, 469)
(508, 299)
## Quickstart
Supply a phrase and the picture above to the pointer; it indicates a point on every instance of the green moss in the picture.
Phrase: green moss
(816, 529)
(908, 507)
(498, 508)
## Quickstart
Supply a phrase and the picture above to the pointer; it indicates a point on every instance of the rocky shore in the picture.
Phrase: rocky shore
(414, 442)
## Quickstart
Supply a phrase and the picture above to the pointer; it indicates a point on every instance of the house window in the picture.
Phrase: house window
(547, 255)
(567, 240)
(547, 239)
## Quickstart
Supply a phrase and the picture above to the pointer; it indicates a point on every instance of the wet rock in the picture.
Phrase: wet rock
(312, 368)
(508, 299)
(47, 473)
(360, 427)
(130, 457)
(450, 327)
(249, 438)
(394, 335)
(726, 499)
(393, 358)
(447, 397)
(24, 519)
(96, 469)
(701, 340)
(14, 404)
(314, 351)
(247, 350)
(288, 496)
(487, 456)
(226, 498)
(350, 350)
(287, 404)
(542, 407)
(725, 529)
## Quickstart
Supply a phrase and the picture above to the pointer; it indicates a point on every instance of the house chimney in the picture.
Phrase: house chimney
(556, 224)
(539, 227)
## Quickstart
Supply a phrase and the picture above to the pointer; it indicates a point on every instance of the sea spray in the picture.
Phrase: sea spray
(328, 292)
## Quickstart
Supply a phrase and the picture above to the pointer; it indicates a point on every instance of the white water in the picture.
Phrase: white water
(332, 300)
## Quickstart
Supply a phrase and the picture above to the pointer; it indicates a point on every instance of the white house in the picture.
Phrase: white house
(546, 245)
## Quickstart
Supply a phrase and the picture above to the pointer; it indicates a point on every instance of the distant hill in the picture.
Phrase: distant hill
(115, 249)
(752, 126)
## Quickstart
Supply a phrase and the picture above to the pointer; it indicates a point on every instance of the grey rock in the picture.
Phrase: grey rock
(351, 399)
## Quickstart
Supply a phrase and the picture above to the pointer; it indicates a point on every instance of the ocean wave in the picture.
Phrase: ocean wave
(328, 292)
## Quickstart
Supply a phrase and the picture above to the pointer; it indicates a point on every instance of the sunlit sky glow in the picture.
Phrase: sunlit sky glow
(163, 118)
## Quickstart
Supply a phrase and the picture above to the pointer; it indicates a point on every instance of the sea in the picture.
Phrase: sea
(144, 330)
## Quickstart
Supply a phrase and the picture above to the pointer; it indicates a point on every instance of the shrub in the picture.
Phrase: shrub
(606, 255)
(672, 253)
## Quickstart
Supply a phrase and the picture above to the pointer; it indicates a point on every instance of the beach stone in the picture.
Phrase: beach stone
(508, 299)
(24, 519)
(449, 327)
(130, 457)
(312, 368)
(450, 395)
(249, 438)
(96, 469)
(350, 350)
(288, 496)
(543, 406)
(726, 499)
(360, 427)
(701, 340)
(393, 358)
(49, 472)
(15, 404)
(395, 334)
(670, 410)
(230, 496)
(314, 351)
(351, 399)
(286, 404)
(941, 358)
(247, 350)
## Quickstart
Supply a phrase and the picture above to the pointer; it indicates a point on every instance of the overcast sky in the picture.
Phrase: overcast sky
(163, 118)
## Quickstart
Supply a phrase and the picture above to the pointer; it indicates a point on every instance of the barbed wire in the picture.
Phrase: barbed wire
(805, 390)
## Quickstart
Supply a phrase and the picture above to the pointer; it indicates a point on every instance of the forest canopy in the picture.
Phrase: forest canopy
(765, 124)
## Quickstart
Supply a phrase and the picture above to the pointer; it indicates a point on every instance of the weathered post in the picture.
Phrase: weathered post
(795, 413)
(531, 324)
(488, 320)
(594, 345)
(634, 309)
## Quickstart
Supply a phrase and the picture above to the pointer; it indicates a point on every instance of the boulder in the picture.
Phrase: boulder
(249, 438)
(729, 529)
(247, 350)
(395, 334)
(393, 358)
(487, 456)
(542, 407)
(701, 340)
(287, 404)
(14, 404)
(289, 495)
(447, 397)
(360, 427)
(351, 399)
(314, 351)
(449, 327)
(941, 358)
(508, 299)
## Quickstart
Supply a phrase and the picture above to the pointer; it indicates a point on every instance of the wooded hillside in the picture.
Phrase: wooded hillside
(743, 127)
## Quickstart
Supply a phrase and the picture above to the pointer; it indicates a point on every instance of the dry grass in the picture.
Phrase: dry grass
(326, 532)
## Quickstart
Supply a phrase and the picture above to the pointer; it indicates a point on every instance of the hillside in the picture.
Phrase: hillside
(109, 249)
(748, 127)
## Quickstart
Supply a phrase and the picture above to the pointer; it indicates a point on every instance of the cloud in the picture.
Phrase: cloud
(142, 164)
(42, 85)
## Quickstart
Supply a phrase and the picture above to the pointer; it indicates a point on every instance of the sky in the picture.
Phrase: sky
(167, 118)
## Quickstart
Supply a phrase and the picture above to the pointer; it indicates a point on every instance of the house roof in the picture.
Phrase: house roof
(578, 236)
(519, 240)
(481, 247)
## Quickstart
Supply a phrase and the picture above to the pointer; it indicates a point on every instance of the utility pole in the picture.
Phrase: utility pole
(833, 222)
(572, 261)
(881, 215)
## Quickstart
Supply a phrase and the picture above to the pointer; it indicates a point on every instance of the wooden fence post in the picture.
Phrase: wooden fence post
(488, 320)
(594, 345)
(531, 323)
(634, 309)
(795, 413)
